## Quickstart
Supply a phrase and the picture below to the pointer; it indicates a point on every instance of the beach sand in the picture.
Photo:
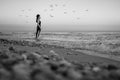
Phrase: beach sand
(44, 49)
(25, 60)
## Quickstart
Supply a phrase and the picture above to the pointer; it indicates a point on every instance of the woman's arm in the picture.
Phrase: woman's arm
(39, 23)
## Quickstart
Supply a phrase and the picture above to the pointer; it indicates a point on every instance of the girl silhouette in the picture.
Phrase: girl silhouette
(38, 29)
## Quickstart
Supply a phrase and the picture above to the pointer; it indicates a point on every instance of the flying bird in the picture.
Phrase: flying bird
(29, 9)
(51, 5)
(22, 10)
(51, 15)
(78, 18)
(56, 5)
(20, 15)
(64, 5)
(26, 16)
(73, 11)
(51, 9)
(65, 12)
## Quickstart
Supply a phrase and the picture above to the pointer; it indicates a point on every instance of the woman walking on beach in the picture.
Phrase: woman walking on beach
(38, 29)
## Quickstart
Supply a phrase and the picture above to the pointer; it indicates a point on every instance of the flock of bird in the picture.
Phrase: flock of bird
(52, 8)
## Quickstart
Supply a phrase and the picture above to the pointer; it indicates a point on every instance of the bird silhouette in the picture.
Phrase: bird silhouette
(51, 9)
(26, 16)
(78, 18)
(56, 5)
(51, 5)
(65, 12)
(20, 15)
(22, 10)
(51, 15)
(64, 5)
(73, 11)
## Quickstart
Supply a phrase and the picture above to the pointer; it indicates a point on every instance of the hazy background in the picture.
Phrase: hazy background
(60, 15)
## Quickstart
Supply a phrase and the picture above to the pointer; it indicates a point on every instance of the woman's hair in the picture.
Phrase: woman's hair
(37, 16)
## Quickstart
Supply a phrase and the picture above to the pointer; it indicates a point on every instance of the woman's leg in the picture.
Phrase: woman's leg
(36, 33)
(39, 32)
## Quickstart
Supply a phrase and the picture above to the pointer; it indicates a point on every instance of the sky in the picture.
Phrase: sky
(60, 15)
